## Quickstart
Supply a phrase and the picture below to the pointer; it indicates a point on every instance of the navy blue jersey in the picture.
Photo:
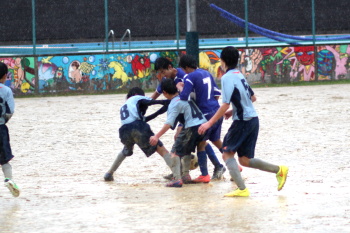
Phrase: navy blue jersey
(236, 90)
(202, 83)
(179, 78)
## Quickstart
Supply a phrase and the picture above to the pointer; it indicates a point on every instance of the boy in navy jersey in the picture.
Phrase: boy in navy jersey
(7, 108)
(135, 130)
(243, 133)
(191, 118)
(202, 84)
(165, 69)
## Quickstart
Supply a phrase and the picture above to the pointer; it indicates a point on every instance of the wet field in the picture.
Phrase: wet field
(64, 145)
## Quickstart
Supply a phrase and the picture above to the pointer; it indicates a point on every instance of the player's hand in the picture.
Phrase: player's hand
(153, 140)
(203, 128)
(228, 114)
(180, 86)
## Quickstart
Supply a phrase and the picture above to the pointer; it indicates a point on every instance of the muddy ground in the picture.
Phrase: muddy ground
(64, 145)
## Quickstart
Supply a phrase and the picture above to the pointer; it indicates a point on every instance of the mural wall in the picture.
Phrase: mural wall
(103, 72)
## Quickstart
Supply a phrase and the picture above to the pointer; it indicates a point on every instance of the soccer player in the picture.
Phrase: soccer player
(207, 93)
(243, 133)
(165, 69)
(190, 116)
(7, 108)
(135, 130)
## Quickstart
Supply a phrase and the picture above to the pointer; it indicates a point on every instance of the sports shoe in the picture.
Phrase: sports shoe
(218, 173)
(238, 193)
(108, 177)
(187, 179)
(169, 177)
(175, 183)
(282, 176)
(12, 187)
(202, 179)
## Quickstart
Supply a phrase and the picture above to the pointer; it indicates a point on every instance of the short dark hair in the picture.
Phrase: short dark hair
(230, 56)
(188, 61)
(3, 69)
(162, 63)
(135, 91)
(168, 85)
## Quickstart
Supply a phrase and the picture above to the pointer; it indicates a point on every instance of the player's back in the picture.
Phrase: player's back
(205, 90)
(130, 111)
(187, 112)
(7, 104)
(237, 91)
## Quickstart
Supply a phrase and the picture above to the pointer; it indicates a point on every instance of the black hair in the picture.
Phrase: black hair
(162, 63)
(230, 56)
(188, 61)
(3, 69)
(168, 85)
(135, 91)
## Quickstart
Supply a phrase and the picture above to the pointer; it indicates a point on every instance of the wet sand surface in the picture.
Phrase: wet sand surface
(64, 145)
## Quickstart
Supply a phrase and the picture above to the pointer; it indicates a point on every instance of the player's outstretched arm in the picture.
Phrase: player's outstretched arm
(154, 139)
(219, 113)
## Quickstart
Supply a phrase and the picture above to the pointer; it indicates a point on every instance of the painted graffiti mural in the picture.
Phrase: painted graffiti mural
(21, 74)
(95, 72)
(102, 72)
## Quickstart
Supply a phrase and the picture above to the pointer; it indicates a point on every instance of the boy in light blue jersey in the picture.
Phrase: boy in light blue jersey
(243, 133)
(206, 92)
(135, 130)
(7, 108)
(190, 116)
(165, 69)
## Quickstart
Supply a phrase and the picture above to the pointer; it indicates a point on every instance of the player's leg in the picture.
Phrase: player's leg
(119, 159)
(185, 169)
(5, 157)
(9, 183)
(248, 149)
(127, 136)
(202, 162)
(235, 173)
(174, 163)
(214, 134)
(232, 142)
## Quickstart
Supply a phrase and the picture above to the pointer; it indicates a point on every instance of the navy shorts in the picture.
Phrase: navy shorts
(137, 132)
(214, 132)
(241, 137)
(187, 141)
(5, 148)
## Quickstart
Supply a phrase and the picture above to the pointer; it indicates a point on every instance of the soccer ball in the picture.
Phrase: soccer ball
(194, 162)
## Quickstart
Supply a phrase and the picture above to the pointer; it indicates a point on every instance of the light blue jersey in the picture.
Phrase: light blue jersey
(130, 111)
(236, 90)
(186, 112)
(7, 103)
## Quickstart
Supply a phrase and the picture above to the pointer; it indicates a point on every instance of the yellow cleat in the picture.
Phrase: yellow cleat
(238, 193)
(282, 176)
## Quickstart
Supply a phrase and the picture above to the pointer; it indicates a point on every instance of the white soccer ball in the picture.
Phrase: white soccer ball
(194, 162)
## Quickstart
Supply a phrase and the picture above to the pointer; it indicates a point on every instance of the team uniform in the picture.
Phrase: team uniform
(134, 129)
(179, 78)
(7, 107)
(202, 83)
(243, 133)
(190, 116)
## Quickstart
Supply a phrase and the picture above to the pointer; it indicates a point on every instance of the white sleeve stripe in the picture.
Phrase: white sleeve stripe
(189, 81)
